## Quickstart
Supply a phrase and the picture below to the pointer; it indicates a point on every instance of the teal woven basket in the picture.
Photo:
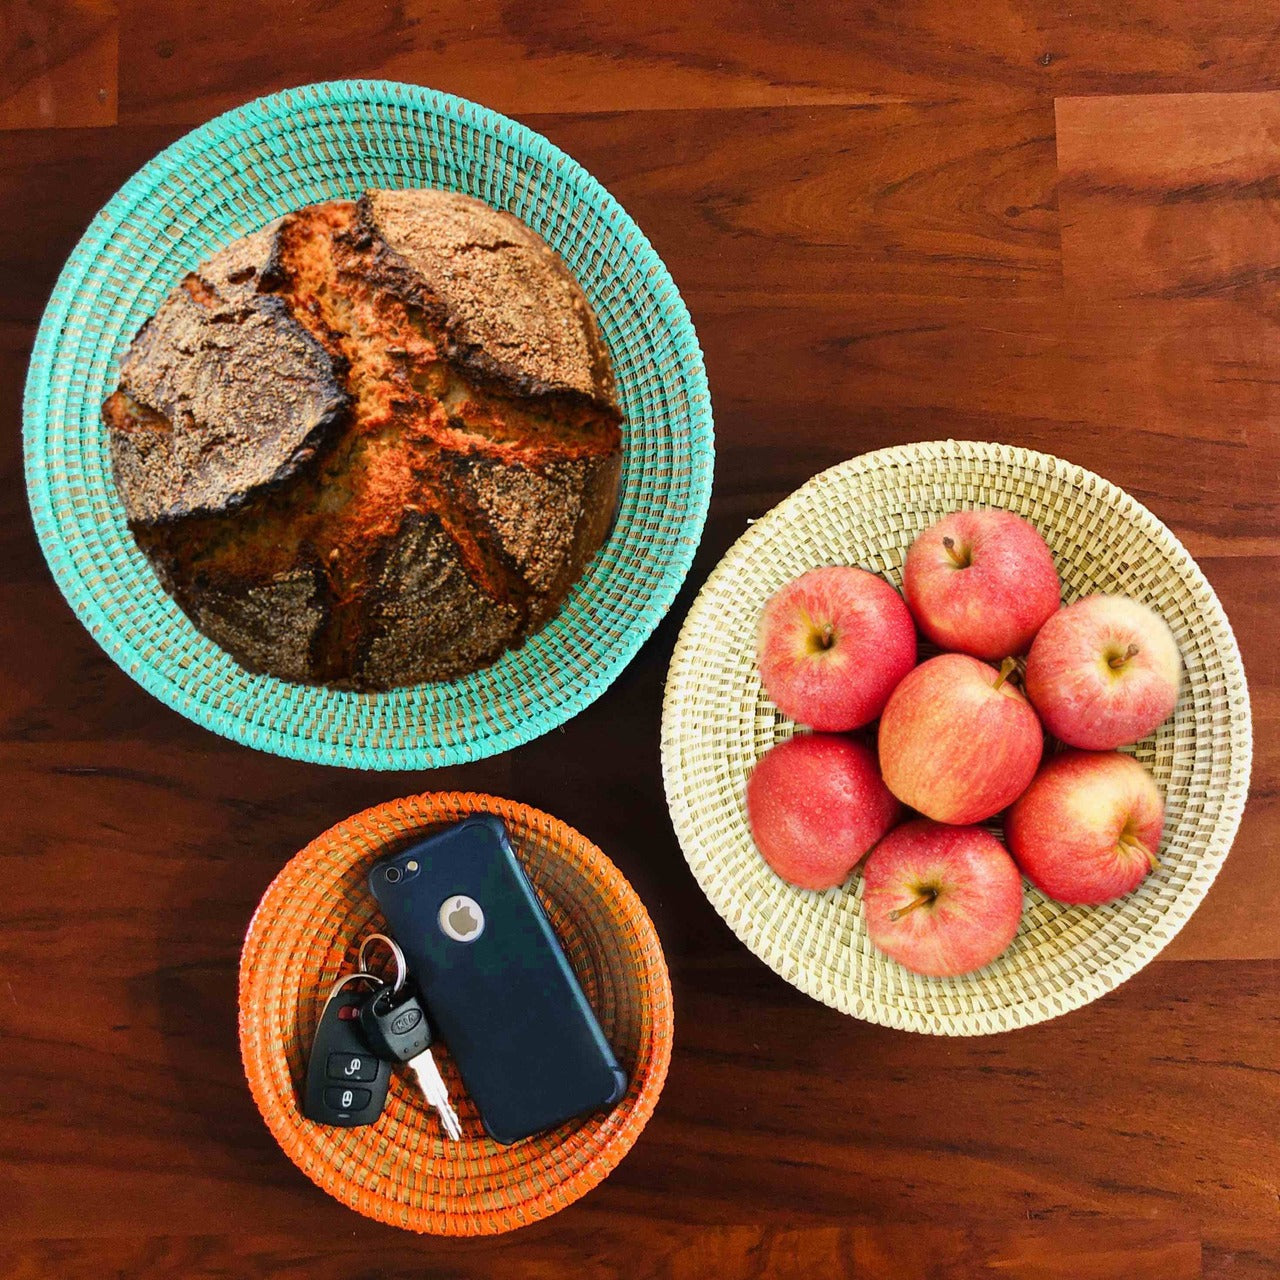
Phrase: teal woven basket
(238, 172)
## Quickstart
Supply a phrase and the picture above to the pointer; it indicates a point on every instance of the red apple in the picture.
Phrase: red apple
(981, 582)
(941, 900)
(958, 742)
(833, 644)
(816, 804)
(1088, 828)
(1103, 672)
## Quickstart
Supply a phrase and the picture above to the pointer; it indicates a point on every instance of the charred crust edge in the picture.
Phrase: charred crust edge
(491, 374)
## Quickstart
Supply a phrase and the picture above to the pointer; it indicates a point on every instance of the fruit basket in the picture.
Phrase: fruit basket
(236, 174)
(717, 722)
(401, 1170)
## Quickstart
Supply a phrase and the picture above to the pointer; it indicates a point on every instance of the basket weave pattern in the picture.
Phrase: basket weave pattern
(401, 1170)
(232, 176)
(717, 722)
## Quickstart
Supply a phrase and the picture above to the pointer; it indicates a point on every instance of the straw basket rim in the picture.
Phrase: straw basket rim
(502, 1188)
(709, 825)
(235, 173)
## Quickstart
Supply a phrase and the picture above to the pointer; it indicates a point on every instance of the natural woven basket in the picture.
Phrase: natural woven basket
(237, 173)
(717, 722)
(401, 1170)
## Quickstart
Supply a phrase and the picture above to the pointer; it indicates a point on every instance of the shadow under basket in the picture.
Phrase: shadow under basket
(402, 1170)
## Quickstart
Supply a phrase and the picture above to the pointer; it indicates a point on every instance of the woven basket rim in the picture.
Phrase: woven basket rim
(181, 693)
(544, 1198)
(755, 936)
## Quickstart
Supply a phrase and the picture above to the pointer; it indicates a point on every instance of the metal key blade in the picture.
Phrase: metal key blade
(431, 1082)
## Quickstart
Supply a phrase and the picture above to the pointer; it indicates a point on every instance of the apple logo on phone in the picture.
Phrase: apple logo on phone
(461, 919)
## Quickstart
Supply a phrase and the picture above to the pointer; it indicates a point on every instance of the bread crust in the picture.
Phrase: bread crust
(515, 316)
(372, 444)
(195, 425)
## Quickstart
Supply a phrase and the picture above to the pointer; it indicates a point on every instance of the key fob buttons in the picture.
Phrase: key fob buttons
(347, 1099)
(353, 1066)
(346, 1082)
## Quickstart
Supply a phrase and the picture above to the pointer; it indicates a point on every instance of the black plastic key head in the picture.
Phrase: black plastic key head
(346, 1081)
(395, 1026)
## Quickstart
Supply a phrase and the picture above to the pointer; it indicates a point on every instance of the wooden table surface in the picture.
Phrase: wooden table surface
(1052, 225)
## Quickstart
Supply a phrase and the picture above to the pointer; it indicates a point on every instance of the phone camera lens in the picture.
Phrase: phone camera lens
(393, 874)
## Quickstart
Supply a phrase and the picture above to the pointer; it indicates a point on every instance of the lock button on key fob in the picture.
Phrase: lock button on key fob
(346, 1081)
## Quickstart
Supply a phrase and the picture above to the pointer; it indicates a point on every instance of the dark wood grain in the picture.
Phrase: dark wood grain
(1167, 194)
(1051, 226)
(187, 62)
(60, 59)
(612, 1249)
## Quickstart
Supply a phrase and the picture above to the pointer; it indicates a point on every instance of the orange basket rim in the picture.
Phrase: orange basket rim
(393, 819)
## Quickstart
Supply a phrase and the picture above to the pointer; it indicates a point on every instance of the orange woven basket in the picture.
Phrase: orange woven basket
(401, 1170)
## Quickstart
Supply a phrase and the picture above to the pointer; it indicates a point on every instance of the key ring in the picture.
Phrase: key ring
(402, 969)
(351, 977)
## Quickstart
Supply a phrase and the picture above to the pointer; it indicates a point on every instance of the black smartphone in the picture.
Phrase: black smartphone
(495, 980)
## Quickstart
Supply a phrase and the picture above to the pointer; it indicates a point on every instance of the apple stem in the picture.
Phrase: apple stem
(826, 636)
(1007, 668)
(922, 901)
(957, 559)
(1132, 842)
(1117, 662)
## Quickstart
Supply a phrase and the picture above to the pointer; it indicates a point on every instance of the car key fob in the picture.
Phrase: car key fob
(346, 1081)
(397, 1028)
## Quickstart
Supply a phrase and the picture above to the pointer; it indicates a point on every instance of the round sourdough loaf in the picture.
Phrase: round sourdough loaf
(372, 444)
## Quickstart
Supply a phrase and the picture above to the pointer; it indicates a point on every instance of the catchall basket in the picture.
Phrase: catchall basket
(717, 722)
(234, 175)
(401, 1170)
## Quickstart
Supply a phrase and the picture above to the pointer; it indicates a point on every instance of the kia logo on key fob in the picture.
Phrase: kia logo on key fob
(461, 919)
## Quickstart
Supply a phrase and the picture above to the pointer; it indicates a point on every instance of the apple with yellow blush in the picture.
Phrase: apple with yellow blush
(832, 645)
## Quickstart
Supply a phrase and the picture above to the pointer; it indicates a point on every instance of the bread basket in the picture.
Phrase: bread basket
(401, 1170)
(717, 722)
(237, 173)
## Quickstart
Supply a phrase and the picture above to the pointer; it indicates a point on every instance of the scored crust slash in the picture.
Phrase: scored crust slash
(374, 443)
